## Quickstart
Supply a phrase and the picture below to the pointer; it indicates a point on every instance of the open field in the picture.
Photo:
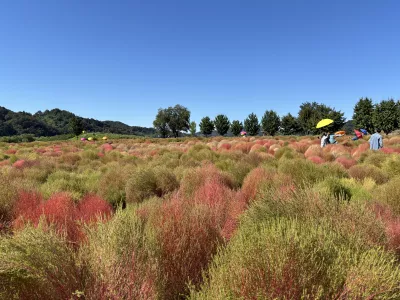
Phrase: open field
(220, 218)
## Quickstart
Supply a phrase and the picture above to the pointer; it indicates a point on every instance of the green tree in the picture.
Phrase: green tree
(206, 126)
(236, 127)
(178, 119)
(172, 119)
(251, 125)
(363, 114)
(386, 116)
(290, 125)
(161, 123)
(76, 126)
(311, 113)
(193, 126)
(222, 124)
(270, 122)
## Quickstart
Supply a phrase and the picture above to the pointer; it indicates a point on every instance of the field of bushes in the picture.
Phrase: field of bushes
(220, 218)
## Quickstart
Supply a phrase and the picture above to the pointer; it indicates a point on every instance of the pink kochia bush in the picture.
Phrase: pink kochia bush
(314, 150)
(61, 212)
(346, 162)
(392, 225)
(316, 159)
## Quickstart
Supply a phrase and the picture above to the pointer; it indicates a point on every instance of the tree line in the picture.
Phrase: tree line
(384, 115)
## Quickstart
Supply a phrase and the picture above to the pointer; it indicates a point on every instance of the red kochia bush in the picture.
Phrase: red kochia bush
(59, 211)
(10, 151)
(314, 150)
(188, 240)
(392, 225)
(346, 162)
(107, 147)
(316, 159)
(19, 164)
(92, 208)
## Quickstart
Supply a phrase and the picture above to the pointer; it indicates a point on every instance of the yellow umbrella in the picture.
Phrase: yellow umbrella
(324, 122)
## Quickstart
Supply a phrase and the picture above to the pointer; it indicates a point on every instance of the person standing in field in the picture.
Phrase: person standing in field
(324, 139)
(332, 139)
(376, 141)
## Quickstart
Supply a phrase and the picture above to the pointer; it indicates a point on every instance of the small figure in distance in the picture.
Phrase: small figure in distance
(324, 139)
(376, 140)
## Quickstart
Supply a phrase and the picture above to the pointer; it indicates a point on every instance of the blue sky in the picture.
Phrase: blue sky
(122, 60)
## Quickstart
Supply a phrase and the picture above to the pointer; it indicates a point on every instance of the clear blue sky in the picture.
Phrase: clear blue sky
(122, 60)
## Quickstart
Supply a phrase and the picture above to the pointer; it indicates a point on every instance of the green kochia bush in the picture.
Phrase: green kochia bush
(289, 259)
(127, 268)
(146, 182)
(305, 172)
(334, 187)
(38, 264)
(77, 184)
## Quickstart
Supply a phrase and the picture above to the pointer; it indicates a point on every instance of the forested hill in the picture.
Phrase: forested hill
(56, 121)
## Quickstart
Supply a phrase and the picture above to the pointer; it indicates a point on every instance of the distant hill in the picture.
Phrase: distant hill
(56, 121)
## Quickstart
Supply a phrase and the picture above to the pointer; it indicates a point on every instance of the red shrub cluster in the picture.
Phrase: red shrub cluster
(300, 147)
(59, 211)
(188, 240)
(19, 164)
(316, 159)
(107, 147)
(92, 208)
(253, 182)
(356, 153)
(387, 150)
(4, 163)
(346, 162)
(225, 146)
(11, 151)
(243, 147)
(392, 224)
(314, 150)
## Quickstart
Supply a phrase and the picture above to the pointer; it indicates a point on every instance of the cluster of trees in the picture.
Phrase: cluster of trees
(384, 115)
(270, 124)
(172, 120)
(56, 122)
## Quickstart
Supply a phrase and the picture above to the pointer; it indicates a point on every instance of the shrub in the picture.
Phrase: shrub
(183, 262)
(147, 182)
(314, 150)
(8, 195)
(92, 209)
(288, 259)
(346, 162)
(195, 178)
(166, 181)
(36, 263)
(391, 166)
(111, 186)
(334, 187)
(389, 194)
(128, 268)
(302, 171)
(76, 184)
(376, 159)
(254, 181)
(316, 159)
(361, 172)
